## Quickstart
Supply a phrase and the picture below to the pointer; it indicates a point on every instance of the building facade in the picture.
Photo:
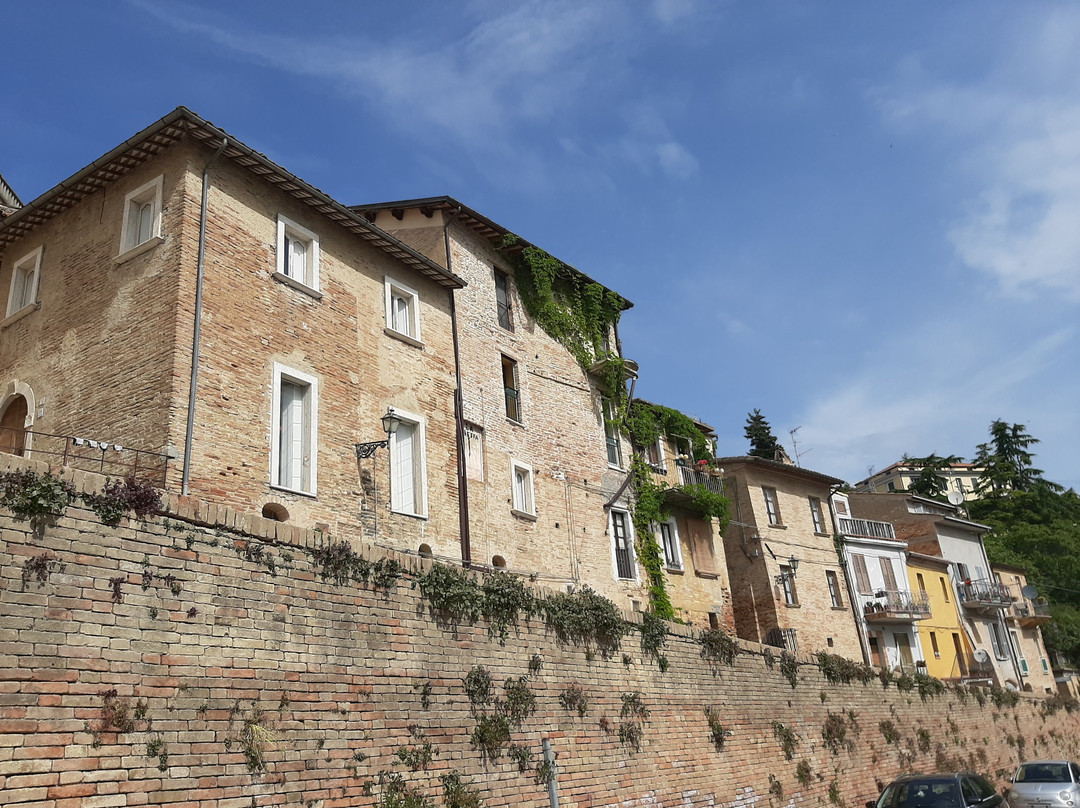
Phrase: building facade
(1025, 618)
(961, 478)
(945, 644)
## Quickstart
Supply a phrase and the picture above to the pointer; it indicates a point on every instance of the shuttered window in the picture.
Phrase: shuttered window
(862, 577)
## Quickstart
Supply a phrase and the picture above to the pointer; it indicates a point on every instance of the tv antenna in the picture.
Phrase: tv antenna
(795, 446)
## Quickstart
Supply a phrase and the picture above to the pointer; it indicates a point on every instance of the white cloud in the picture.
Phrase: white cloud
(1016, 130)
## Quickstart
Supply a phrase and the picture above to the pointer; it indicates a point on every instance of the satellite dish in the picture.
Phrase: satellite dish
(1029, 592)
(981, 656)
(955, 497)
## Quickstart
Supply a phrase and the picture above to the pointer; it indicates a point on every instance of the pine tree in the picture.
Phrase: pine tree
(1006, 461)
(930, 483)
(759, 433)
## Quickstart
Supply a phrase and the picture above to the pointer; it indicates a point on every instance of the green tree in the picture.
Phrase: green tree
(759, 433)
(930, 482)
(1006, 461)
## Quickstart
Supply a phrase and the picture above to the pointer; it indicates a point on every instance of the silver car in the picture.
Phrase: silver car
(1046, 784)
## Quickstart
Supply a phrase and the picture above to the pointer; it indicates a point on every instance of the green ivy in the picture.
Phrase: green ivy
(574, 311)
(648, 510)
(649, 422)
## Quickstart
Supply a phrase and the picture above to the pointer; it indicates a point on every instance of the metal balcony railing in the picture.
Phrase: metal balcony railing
(676, 471)
(86, 454)
(783, 638)
(866, 528)
(985, 594)
(897, 604)
(1029, 613)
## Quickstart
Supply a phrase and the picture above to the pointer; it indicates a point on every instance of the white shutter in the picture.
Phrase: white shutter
(293, 425)
(403, 478)
(402, 323)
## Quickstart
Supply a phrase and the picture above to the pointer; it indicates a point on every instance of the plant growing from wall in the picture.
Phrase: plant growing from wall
(29, 495)
(586, 618)
(520, 755)
(649, 510)
(457, 793)
(834, 733)
(119, 497)
(39, 568)
(788, 738)
(717, 646)
(544, 772)
(789, 666)
(840, 670)
(654, 632)
(834, 792)
(889, 731)
(506, 600)
(571, 309)
(803, 773)
(929, 686)
(633, 713)
(717, 731)
(393, 792)
(776, 788)
(520, 701)
(573, 698)
(491, 734)
(1002, 697)
(478, 686)
(922, 739)
(156, 748)
(647, 423)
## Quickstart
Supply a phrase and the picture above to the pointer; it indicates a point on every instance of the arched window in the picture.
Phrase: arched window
(13, 426)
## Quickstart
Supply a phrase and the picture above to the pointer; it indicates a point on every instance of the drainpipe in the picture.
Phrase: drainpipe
(189, 435)
(459, 413)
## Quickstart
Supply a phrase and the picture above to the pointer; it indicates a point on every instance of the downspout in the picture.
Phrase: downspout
(189, 435)
(459, 413)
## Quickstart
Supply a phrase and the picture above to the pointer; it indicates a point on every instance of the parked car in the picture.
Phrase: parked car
(943, 790)
(1045, 784)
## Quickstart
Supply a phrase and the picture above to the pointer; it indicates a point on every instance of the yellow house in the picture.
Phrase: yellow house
(943, 639)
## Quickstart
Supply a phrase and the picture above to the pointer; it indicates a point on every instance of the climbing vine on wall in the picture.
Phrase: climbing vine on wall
(574, 311)
(649, 510)
(649, 422)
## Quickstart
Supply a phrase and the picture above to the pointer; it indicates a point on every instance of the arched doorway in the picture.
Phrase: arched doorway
(13, 426)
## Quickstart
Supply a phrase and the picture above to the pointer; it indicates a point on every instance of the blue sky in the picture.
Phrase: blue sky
(861, 218)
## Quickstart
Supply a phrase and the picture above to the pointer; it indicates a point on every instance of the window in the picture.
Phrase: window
(24, 282)
(962, 571)
(408, 466)
(623, 545)
(142, 216)
(502, 300)
(919, 581)
(1015, 640)
(654, 453)
(669, 543)
(816, 515)
(474, 452)
(944, 587)
(887, 573)
(511, 391)
(834, 589)
(772, 506)
(934, 645)
(862, 577)
(297, 255)
(611, 435)
(903, 645)
(295, 427)
(998, 642)
(521, 478)
(402, 310)
(791, 597)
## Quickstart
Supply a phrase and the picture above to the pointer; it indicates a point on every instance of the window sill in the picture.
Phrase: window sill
(410, 514)
(512, 422)
(390, 332)
(299, 493)
(310, 291)
(139, 249)
(793, 605)
(838, 608)
(821, 533)
(614, 467)
(14, 317)
(712, 576)
(779, 527)
(675, 570)
(528, 517)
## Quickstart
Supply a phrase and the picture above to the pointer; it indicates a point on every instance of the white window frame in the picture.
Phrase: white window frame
(612, 438)
(817, 514)
(523, 500)
(629, 522)
(411, 332)
(419, 505)
(288, 229)
(149, 193)
(661, 455)
(675, 563)
(772, 506)
(30, 267)
(293, 376)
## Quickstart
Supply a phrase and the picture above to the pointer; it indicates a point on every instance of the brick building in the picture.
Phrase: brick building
(788, 587)
(307, 322)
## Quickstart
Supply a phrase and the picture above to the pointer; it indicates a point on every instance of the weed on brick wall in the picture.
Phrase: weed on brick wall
(788, 738)
(457, 793)
(341, 565)
(789, 666)
(118, 497)
(39, 568)
(33, 496)
(573, 698)
(718, 647)
(717, 731)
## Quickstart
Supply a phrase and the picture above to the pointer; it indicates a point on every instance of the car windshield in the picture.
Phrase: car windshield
(927, 794)
(1043, 773)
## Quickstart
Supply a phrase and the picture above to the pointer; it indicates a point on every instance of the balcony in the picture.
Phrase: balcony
(1029, 614)
(896, 605)
(783, 638)
(85, 454)
(866, 528)
(984, 596)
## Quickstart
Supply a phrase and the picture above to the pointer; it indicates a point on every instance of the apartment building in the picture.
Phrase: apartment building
(959, 477)
(1024, 619)
(946, 647)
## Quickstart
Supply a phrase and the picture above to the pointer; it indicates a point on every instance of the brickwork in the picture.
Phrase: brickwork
(202, 639)
(756, 549)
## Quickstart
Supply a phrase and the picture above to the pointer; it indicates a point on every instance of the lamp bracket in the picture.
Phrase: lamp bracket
(364, 450)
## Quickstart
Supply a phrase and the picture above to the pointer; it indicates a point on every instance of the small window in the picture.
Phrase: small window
(623, 545)
(611, 435)
(669, 543)
(502, 300)
(816, 515)
(521, 479)
(934, 645)
(408, 470)
(772, 506)
(142, 216)
(402, 310)
(511, 390)
(834, 589)
(791, 597)
(944, 588)
(297, 254)
(292, 454)
(922, 585)
(654, 453)
(24, 282)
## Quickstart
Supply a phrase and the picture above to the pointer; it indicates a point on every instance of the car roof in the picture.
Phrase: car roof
(908, 778)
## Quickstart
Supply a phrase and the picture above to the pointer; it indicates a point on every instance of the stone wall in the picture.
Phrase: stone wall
(199, 660)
